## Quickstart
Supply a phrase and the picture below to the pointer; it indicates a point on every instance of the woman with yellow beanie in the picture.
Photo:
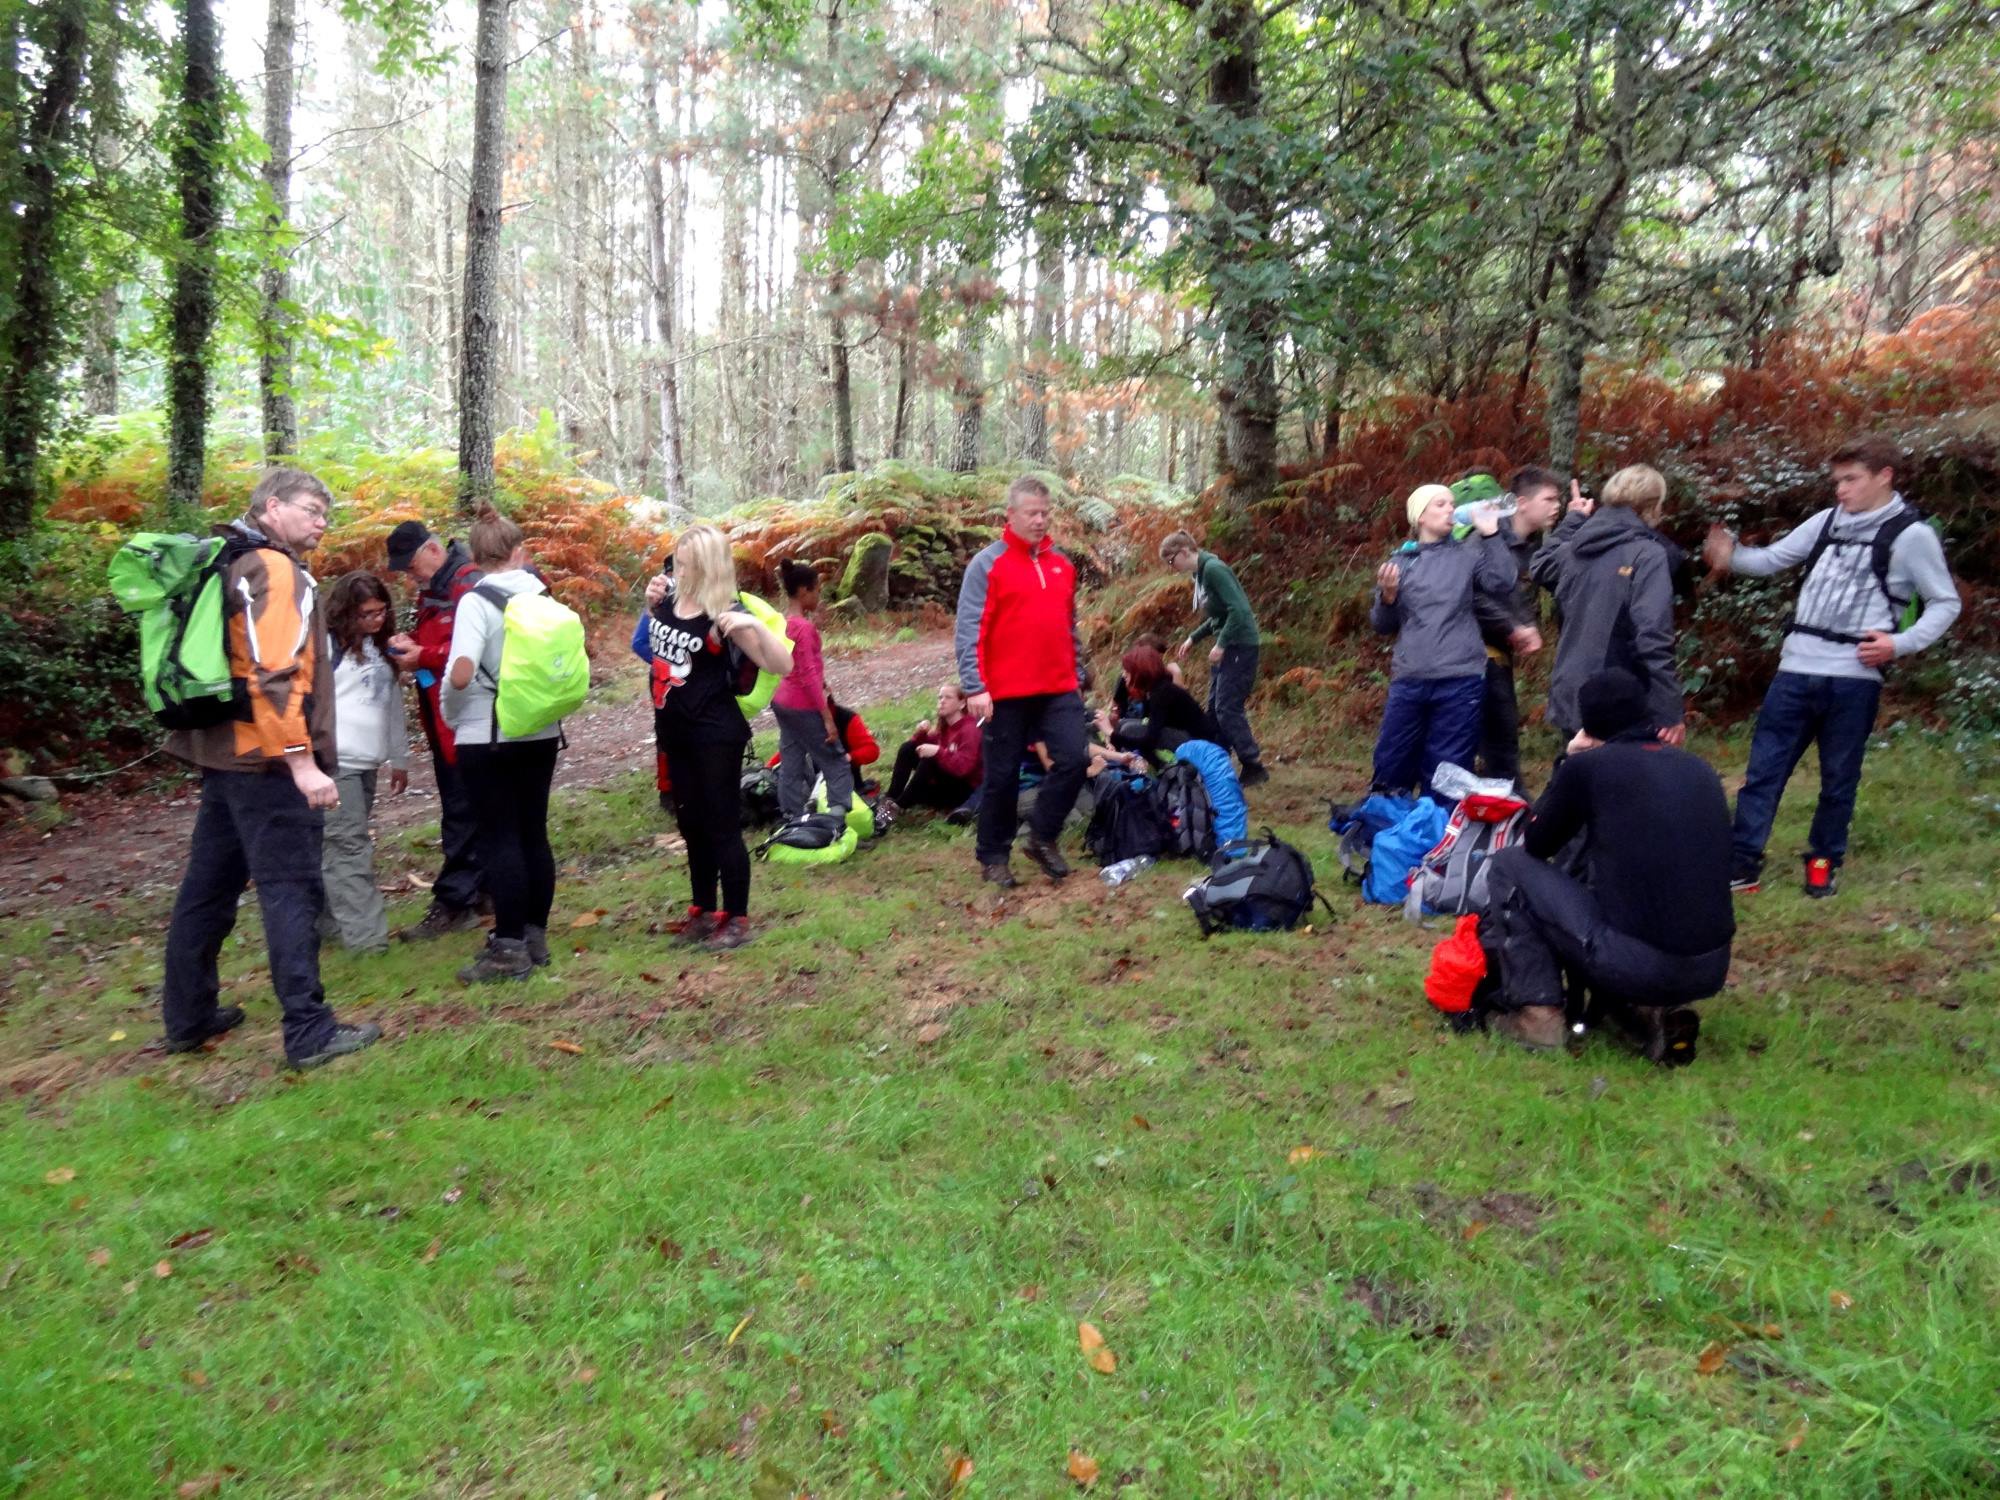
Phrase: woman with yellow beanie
(1437, 672)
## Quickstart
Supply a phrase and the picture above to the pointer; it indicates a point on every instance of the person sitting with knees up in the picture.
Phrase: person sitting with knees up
(1159, 714)
(939, 765)
(1648, 927)
(809, 742)
(1437, 673)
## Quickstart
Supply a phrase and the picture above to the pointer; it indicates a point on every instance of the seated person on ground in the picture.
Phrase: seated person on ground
(1159, 714)
(939, 765)
(1649, 925)
(1121, 694)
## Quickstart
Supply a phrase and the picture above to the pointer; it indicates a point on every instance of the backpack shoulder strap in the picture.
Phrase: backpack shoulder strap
(493, 594)
(1885, 544)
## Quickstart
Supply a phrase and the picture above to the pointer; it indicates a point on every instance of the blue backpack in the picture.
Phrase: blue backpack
(1357, 823)
(1398, 850)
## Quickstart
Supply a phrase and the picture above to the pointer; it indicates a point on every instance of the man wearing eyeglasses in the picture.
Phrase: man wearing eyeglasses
(265, 785)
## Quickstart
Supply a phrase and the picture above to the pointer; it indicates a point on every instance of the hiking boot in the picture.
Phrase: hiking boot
(536, 940)
(999, 873)
(1667, 1034)
(1746, 883)
(345, 1039)
(963, 814)
(730, 932)
(1047, 856)
(226, 1018)
(440, 920)
(1822, 876)
(886, 813)
(1252, 774)
(697, 926)
(1539, 1028)
(501, 958)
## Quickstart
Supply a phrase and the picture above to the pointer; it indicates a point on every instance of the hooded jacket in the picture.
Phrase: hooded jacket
(437, 612)
(1612, 576)
(1016, 635)
(277, 649)
(1432, 619)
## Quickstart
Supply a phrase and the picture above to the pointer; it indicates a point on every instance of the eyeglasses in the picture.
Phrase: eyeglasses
(317, 512)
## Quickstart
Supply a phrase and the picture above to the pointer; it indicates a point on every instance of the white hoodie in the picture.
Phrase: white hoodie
(368, 724)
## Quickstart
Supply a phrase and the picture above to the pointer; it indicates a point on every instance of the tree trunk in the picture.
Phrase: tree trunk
(1243, 229)
(480, 319)
(274, 360)
(969, 393)
(841, 378)
(1042, 341)
(100, 337)
(666, 276)
(197, 157)
(29, 340)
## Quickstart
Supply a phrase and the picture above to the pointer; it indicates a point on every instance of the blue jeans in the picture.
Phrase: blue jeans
(251, 825)
(1427, 721)
(1839, 713)
(1229, 684)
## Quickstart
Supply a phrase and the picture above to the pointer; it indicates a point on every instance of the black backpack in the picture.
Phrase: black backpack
(1128, 820)
(758, 794)
(1903, 611)
(814, 830)
(1254, 885)
(1190, 816)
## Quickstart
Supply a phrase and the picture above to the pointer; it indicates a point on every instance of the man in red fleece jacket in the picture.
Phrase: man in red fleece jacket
(1020, 660)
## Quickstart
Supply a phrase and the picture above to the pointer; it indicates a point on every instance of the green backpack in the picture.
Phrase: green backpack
(174, 583)
(544, 667)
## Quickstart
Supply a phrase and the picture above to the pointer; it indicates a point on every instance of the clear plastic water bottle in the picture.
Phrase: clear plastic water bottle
(1125, 869)
(1503, 507)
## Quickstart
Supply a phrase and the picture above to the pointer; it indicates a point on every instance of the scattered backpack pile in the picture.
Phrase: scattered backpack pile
(1254, 885)
(1396, 851)
(1190, 815)
(1451, 879)
(1127, 820)
(757, 793)
(1357, 824)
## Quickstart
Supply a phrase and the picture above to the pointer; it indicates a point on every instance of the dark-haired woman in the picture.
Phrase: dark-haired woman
(371, 735)
(1159, 714)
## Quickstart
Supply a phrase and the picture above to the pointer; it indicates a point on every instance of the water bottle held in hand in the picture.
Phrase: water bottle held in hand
(1125, 869)
(1502, 508)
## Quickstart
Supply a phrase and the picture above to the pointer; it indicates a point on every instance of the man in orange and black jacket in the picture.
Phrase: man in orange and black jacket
(265, 785)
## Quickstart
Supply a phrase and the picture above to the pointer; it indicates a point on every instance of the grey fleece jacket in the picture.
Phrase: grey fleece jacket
(1612, 576)
(1436, 631)
(1841, 593)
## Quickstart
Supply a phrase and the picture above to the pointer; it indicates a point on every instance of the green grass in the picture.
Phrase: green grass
(826, 1213)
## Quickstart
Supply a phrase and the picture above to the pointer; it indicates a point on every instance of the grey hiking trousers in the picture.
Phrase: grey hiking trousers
(804, 756)
(354, 909)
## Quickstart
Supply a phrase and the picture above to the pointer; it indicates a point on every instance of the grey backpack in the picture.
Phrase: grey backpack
(1451, 880)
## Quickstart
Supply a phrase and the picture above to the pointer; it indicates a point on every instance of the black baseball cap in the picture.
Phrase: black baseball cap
(404, 542)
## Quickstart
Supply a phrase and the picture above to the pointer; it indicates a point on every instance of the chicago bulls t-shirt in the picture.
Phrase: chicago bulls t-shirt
(692, 691)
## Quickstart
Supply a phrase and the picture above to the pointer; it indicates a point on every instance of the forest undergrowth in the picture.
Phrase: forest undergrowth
(925, 1193)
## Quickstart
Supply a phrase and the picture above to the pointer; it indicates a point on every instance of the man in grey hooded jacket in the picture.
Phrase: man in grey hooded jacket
(1612, 576)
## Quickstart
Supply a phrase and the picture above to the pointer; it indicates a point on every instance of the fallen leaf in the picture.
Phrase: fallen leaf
(196, 1378)
(670, 1249)
(586, 919)
(1795, 1437)
(1102, 1360)
(430, 1252)
(163, 1269)
(1082, 1467)
(195, 1489)
(1758, 1330)
(572, 1048)
(1475, 1229)
(117, 1036)
(1839, 1301)
(453, 1194)
(99, 1257)
(959, 1472)
(1030, 1293)
(194, 1239)
(1711, 1358)
(1142, 1122)
(831, 1426)
(1088, 1337)
(1300, 1155)
(931, 1031)
(584, 1376)
(657, 1106)
(737, 1332)
(657, 1495)
(59, 1176)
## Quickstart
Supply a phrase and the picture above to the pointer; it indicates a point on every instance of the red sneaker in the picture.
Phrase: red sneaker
(693, 928)
(1822, 876)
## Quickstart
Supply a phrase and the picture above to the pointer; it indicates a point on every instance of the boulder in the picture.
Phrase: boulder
(866, 580)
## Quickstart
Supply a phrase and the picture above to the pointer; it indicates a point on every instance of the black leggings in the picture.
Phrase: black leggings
(706, 780)
(918, 782)
(509, 784)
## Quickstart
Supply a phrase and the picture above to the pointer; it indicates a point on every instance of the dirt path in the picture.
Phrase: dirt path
(113, 845)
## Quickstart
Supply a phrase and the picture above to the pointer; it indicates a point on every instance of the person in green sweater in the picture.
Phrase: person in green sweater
(1232, 660)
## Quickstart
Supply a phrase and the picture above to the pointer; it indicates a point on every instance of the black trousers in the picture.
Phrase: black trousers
(707, 781)
(458, 883)
(1058, 721)
(509, 784)
(251, 825)
(1540, 921)
(1500, 724)
(917, 782)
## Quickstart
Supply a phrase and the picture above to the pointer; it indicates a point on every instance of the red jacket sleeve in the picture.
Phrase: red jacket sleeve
(861, 747)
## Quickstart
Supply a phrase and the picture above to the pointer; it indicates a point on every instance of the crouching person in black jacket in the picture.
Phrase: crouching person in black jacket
(1648, 926)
